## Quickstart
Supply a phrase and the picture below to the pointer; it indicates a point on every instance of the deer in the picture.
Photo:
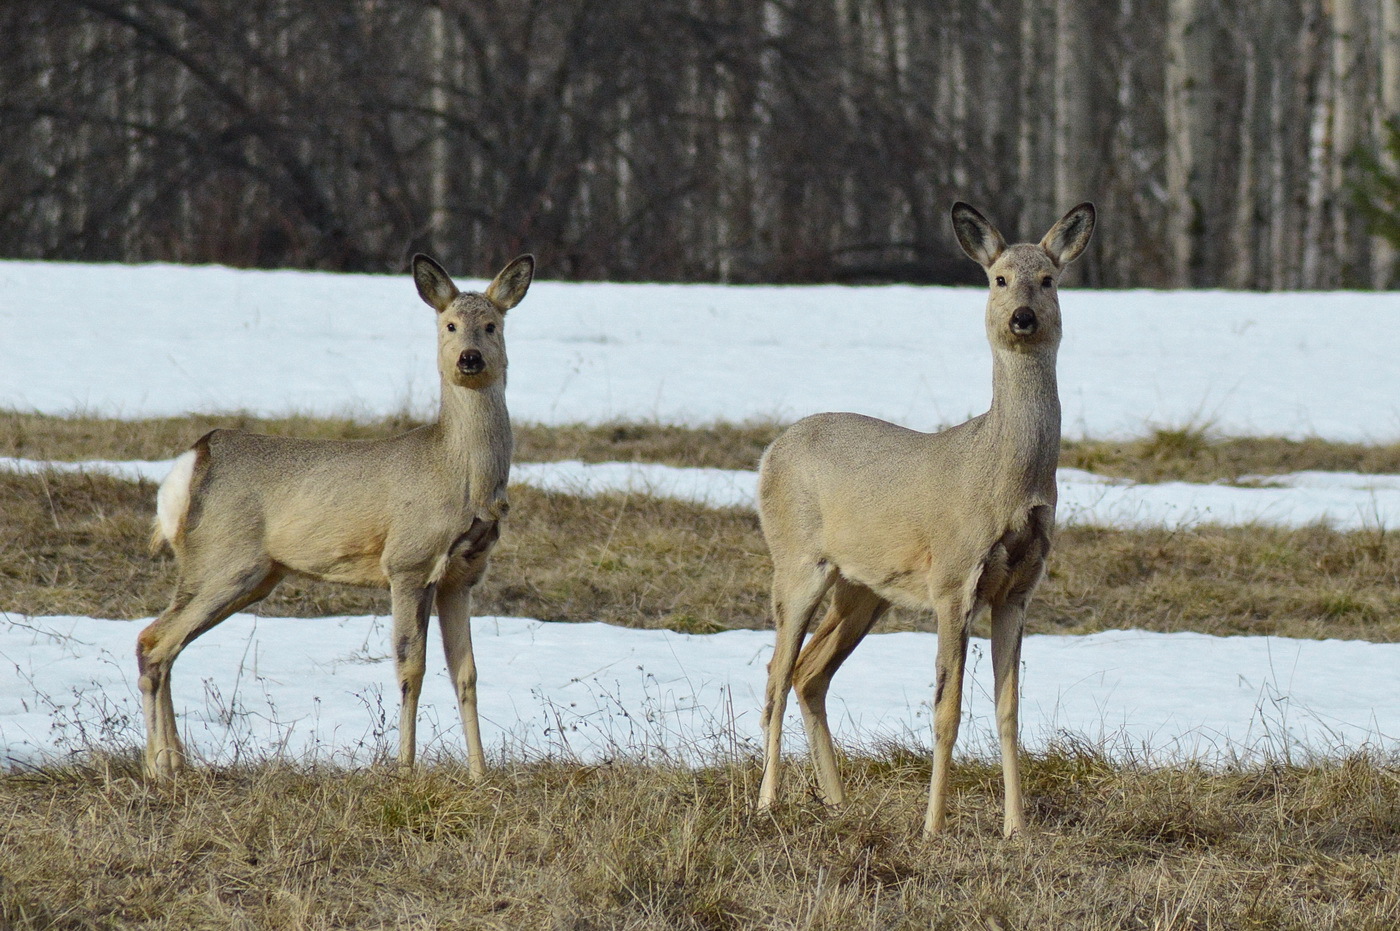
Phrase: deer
(960, 521)
(417, 513)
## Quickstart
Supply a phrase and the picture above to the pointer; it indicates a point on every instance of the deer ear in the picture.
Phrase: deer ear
(510, 285)
(435, 287)
(1067, 238)
(977, 236)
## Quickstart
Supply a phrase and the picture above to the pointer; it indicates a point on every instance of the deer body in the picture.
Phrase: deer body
(399, 504)
(960, 521)
(417, 513)
(899, 552)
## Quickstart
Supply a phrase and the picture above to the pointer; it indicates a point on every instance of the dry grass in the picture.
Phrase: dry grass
(38, 436)
(1187, 454)
(75, 544)
(1313, 582)
(569, 846)
(41, 436)
(1193, 455)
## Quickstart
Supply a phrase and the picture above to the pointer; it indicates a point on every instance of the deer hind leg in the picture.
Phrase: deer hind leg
(412, 604)
(454, 617)
(854, 610)
(955, 617)
(798, 588)
(1008, 624)
(193, 611)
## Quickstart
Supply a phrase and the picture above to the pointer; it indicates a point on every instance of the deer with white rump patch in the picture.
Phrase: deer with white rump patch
(418, 513)
(959, 521)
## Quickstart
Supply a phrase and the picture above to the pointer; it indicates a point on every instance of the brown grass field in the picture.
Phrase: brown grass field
(566, 846)
(556, 844)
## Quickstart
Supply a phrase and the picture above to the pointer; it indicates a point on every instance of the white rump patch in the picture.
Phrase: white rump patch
(173, 498)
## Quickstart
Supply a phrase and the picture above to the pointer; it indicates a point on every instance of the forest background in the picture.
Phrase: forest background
(688, 140)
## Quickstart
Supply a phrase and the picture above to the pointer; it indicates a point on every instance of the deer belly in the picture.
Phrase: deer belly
(355, 559)
(902, 577)
(357, 569)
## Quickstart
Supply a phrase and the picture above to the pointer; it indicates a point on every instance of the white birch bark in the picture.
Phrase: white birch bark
(1191, 130)
(1347, 103)
(1034, 129)
(1315, 202)
(1383, 254)
(439, 164)
(1243, 259)
(1072, 102)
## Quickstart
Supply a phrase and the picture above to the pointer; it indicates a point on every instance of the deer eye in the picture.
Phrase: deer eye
(490, 328)
(452, 328)
(1001, 281)
(1047, 281)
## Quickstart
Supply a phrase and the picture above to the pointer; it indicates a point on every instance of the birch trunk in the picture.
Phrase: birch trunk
(1034, 131)
(1244, 261)
(438, 155)
(1191, 129)
(1317, 76)
(1072, 104)
(1346, 108)
(1382, 252)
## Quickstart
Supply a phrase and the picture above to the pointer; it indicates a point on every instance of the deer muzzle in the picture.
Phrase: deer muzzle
(470, 362)
(1023, 321)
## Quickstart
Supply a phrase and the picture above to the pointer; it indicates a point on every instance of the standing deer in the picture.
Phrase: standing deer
(959, 521)
(418, 513)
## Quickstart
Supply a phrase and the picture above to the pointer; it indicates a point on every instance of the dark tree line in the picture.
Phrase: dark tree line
(735, 140)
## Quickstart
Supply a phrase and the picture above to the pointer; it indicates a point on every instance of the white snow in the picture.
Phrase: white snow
(324, 688)
(154, 340)
(163, 340)
(131, 470)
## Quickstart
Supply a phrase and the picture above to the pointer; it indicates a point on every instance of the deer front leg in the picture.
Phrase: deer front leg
(454, 617)
(1008, 625)
(412, 603)
(954, 622)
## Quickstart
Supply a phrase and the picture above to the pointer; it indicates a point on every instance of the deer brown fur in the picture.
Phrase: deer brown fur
(417, 513)
(959, 521)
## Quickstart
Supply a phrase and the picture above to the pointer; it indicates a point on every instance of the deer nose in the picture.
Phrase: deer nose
(470, 362)
(1023, 322)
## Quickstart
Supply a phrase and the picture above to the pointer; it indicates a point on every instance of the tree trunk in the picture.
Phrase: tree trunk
(1034, 130)
(1191, 131)
(1383, 254)
(1317, 76)
(1347, 103)
(439, 156)
(1073, 90)
(1243, 261)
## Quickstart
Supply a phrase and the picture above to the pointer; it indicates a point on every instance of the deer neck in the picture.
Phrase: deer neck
(1024, 419)
(473, 430)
